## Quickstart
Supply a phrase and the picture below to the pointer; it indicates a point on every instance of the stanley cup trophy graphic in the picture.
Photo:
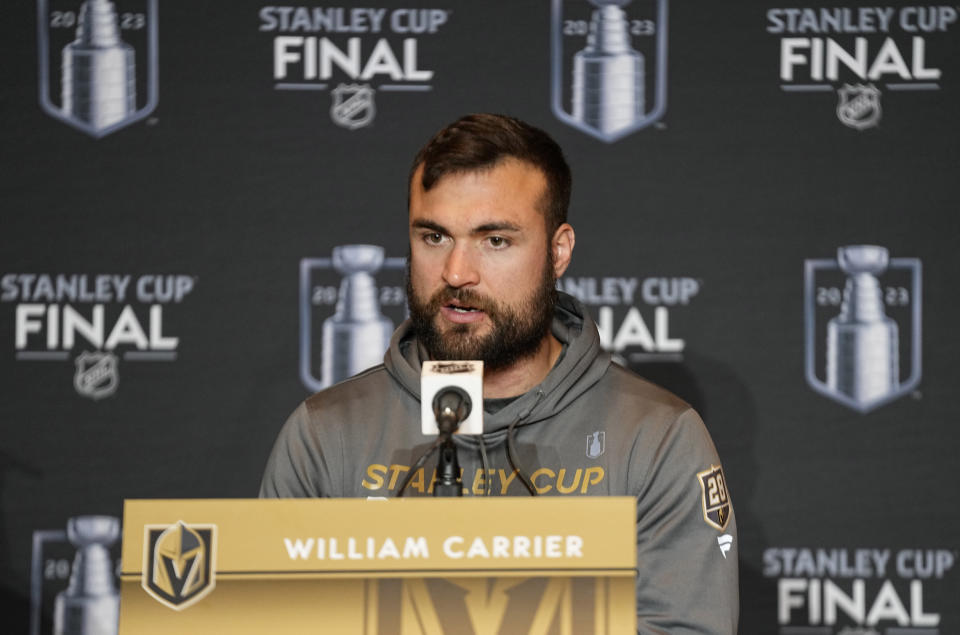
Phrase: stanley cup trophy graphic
(608, 75)
(357, 334)
(862, 342)
(98, 83)
(90, 605)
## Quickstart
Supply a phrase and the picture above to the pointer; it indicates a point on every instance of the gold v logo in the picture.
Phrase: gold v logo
(487, 606)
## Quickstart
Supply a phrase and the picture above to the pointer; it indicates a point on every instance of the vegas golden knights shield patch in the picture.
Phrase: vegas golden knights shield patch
(178, 562)
(716, 500)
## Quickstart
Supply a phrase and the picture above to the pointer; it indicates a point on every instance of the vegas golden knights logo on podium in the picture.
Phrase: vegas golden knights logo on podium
(178, 568)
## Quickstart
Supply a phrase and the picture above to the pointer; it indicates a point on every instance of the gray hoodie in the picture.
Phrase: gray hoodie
(591, 428)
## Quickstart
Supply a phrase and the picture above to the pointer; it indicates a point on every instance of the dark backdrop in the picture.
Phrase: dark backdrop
(221, 179)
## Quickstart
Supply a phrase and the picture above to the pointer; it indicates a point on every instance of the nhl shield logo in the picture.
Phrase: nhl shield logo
(352, 105)
(609, 65)
(97, 376)
(858, 106)
(596, 444)
(716, 500)
(862, 326)
(98, 62)
(178, 563)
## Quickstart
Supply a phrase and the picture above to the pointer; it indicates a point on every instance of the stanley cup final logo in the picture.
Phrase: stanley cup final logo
(863, 346)
(609, 58)
(355, 53)
(346, 318)
(98, 62)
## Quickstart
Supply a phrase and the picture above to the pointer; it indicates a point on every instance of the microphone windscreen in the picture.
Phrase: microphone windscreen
(453, 399)
(435, 377)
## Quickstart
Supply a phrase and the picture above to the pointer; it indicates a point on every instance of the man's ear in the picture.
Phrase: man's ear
(562, 246)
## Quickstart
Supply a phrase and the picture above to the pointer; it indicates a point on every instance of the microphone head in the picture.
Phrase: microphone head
(452, 403)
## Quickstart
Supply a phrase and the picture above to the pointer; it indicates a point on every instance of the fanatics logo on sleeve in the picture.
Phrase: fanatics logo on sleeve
(716, 501)
(725, 542)
(178, 567)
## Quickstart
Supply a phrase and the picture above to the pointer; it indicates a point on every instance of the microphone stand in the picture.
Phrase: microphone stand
(448, 465)
(450, 406)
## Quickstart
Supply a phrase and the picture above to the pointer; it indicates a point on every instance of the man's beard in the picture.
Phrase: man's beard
(516, 333)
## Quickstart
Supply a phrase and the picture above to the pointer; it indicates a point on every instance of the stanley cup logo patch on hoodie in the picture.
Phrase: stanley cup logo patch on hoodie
(596, 444)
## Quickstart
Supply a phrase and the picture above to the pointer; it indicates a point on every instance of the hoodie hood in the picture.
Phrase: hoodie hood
(579, 367)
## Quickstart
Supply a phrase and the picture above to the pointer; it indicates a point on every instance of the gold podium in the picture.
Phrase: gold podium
(419, 566)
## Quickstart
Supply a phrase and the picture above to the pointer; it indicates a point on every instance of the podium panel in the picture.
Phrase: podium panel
(404, 567)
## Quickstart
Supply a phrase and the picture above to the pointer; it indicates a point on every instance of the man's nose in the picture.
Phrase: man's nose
(460, 270)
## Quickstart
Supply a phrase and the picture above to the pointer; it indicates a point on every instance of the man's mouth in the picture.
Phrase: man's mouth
(456, 311)
(460, 306)
(462, 309)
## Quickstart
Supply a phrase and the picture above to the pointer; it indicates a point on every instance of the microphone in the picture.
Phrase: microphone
(451, 406)
(448, 391)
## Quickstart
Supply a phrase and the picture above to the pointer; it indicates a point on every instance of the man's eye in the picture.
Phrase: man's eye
(434, 238)
(498, 241)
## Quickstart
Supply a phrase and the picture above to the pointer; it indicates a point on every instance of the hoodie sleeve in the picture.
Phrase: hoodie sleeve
(300, 464)
(687, 577)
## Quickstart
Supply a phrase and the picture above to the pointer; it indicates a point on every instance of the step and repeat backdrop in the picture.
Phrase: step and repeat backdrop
(765, 198)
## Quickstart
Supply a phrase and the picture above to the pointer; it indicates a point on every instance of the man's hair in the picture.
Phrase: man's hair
(482, 141)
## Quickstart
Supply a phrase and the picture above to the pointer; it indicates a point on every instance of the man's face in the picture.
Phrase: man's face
(481, 273)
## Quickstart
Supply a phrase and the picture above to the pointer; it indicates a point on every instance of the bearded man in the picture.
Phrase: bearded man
(488, 198)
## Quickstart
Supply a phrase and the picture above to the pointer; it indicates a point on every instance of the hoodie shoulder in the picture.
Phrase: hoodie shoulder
(308, 458)
(357, 387)
(654, 427)
(643, 394)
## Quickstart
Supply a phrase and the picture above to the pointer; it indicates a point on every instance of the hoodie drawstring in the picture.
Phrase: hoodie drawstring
(484, 465)
(512, 448)
(514, 461)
